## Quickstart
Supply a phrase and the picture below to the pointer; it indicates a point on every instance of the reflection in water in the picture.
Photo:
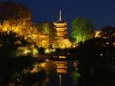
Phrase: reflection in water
(74, 73)
(67, 74)
(60, 79)
(61, 67)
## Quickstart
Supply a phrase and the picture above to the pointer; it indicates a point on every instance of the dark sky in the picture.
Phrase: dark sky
(101, 12)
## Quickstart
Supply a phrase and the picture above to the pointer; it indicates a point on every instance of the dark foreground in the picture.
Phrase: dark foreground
(105, 78)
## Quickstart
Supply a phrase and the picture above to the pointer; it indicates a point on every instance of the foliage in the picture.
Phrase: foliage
(14, 17)
(74, 73)
(27, 78)
(14, 12)
(19, 42)
(61, 43)
(93, 55)
(10, 42)
(42, 34)
(18, 70)
(82, 29)
(47, 28)
(9, 63)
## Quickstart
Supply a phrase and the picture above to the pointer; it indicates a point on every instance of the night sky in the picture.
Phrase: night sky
(100, 12)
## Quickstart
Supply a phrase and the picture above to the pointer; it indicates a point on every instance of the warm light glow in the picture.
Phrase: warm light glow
(27, 50)
(61, 28)
(39, 38)
(34, 51)
(97, 32)
(114, 43)
(107, 43)
(62, 56)
(23, 51)
(62, 43)
(61, 71)
(38, 67)
(61, 67)
(58, 24)
(60, 34)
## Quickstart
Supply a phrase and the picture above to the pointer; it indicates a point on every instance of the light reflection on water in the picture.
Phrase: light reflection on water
(63, 79)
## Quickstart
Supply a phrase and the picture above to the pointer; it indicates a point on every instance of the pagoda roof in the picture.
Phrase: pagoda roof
(60, 21)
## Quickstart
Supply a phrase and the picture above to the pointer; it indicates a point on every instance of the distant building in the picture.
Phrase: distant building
(97, 33)
(61, 27)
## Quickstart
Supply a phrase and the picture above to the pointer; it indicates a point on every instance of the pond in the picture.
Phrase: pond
(95, 74)
(65, 74)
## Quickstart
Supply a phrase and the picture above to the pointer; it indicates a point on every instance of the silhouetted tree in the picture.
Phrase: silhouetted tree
(108, 32)
(17, 69)
(92, 54)
(9, 63)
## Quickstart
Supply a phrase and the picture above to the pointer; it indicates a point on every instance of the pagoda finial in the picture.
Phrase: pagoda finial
(60, 16)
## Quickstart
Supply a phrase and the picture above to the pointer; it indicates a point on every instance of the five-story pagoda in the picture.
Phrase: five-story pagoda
(61, 28)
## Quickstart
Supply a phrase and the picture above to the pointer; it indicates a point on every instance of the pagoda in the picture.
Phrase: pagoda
(61, 27)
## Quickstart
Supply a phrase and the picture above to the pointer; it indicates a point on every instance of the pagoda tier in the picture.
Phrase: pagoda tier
(58, 29)
(60, 24)
(61, 34)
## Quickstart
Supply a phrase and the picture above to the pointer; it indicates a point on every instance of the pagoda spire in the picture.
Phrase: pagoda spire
(60, 16)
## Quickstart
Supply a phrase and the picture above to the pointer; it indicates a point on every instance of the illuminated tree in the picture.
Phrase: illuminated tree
(18, 29)
(82, 29)
(14, 17)
(18, 36)
(41, 34)
(37, 37)
(62, 43)
(14, 12)
(48, 29)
